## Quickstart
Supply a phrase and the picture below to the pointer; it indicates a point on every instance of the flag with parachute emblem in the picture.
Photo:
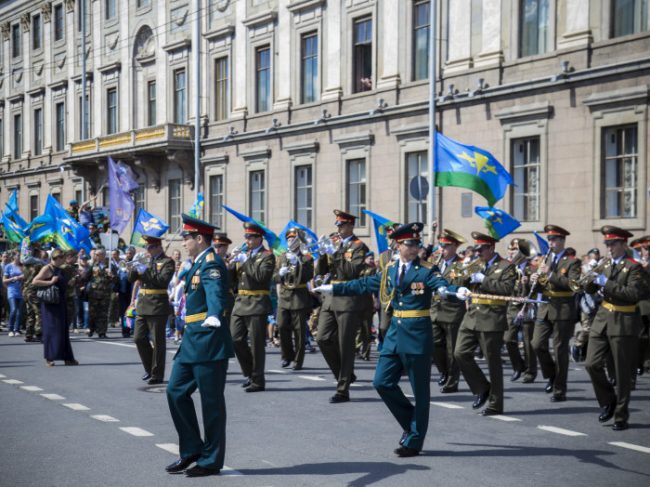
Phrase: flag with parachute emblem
(146, 223)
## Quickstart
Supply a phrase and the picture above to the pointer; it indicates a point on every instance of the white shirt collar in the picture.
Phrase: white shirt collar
(256, 250)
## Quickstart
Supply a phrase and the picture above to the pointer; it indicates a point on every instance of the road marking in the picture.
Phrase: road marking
(13, 381)
(31, 388)
(447, 405)
(502, 417)
(560, 431)
(169, 447)
(230, 472)
(117, 344)
(174, 450)
(275, 371)
(135, 431)
(630, 446)
(312, 377)
(105, 418)
(75, 406)
(53, 397)
(2, 376)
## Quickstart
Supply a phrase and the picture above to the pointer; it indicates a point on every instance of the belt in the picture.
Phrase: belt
(558, 294)
(246, 292)
(196, 317)
(152, 291)
(628, 308)
(337, 282)
(491, 302)
(411, 313)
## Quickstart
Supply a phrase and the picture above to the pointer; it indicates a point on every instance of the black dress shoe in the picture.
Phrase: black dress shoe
(515, 376)
(620, 425)
(146, 376)
(442, 379)
(528, 379)
(447, 390)
(405, 451)
(198, 471)
(337, 398)
(558, 398)
(182, 463)
(297, 367)
(480, 399)
(549, 385)
(353, 379)
(154, 381)
(490, 412)
(246, 383)
(607, 412)
(285, 363)
(254, 388)
(405, 435)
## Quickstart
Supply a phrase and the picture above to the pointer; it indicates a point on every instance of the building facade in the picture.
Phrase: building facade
(311, 105)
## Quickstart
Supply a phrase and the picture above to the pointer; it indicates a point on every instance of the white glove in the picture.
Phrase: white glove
(330, 249)
(442, 291)
(284, 270)
(600, 280)
(211, 322)
(186, 266)
(292, 258)
(241, 257)
(324, 289)
(463, 293)
(477, 277)
(141, 268)
(593, 263)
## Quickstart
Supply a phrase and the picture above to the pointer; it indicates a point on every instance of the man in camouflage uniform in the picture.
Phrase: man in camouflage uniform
(70, 271)
(101, 281)
(31, 267)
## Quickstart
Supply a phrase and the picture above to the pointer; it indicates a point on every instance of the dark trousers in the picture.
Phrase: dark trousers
(251, 357)
(98, 314)
(336, 335)
(444, 343)
(528, 363)
(558, 369)
(210, 378)
(151, 329)
(292, 326)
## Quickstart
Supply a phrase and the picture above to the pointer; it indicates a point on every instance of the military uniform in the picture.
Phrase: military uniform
(222, 239)
(31, 267)
(556, 319)
(385, 258)
(644, 308)
(484, 324)
(71, 274)
(100, 287)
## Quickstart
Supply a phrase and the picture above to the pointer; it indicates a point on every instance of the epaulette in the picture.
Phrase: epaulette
(209, 257)
(267, 251)
(426, 264)
(357, 241)
(633, 260)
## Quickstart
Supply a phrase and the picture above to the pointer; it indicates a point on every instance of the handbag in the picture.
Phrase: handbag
(49, 294)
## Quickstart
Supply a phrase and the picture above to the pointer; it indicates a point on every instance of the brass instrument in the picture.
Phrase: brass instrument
(297, 247)
(508, 299)
(141, 258)
(588, 278)
(477, 265)
(525, 252)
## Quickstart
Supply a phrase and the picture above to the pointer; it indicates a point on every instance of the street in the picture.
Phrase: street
(98, 424)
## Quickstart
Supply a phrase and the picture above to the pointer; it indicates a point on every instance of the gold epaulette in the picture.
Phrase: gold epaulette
(209, 257)
(426, 264)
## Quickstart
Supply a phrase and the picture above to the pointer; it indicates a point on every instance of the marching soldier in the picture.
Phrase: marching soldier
(642, 245)
(101, 281)
(221, 242)
(447, 315)
(254, 270)
(153, 308)
(385, 258)
(616, 327)
(294, 271)
(557, 277)
(339, 315)
(588, 305)
(31, 267)
(363, 340)
(484, 324)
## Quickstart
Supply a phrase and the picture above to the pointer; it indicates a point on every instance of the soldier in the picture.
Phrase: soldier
(294, 271)
(101, 281)
(447, 315)
(220, 243)
(202, 358)
(557, 277)
(31, 267)
(484, 324)
(70, 270)
(254, 271)
(407, 285)
(339, 315)
(153, 308)
(616, 327)
(642, 246)
(385, 258)
(588, 307)
(364, 335)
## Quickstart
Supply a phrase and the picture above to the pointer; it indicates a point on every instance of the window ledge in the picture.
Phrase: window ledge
(624, 95)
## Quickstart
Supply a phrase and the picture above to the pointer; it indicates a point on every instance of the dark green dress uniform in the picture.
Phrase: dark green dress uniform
(615, 330)
(556, 319)
(385, 258)
(644, 308)
(71, 273)
(202, 358)
(408, 342)
(152, 312)
(364, 334)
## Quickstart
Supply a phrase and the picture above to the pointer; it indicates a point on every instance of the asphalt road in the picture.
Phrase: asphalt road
(99, 425)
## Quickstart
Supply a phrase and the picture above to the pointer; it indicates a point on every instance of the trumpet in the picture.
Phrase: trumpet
(140, 258)
(474, 266)
(591, 275)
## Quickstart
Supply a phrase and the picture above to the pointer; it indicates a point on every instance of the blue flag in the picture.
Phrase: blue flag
(56, 225)
(197, 208)
(498, 222)
(14, 232)
(11, 210)
(120, 184)
(470, 167)
(544, 247)
(310, 237)
(270, 237)
(381, 224)
(147, 224)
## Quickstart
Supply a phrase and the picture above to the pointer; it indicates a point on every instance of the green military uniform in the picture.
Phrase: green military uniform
(100, 287)
(364, 334)
(152, 312)
(31, 267)
(71, 273)
(644, 308)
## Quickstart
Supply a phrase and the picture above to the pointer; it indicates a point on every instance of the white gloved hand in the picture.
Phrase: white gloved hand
(324, 289)
(330, 249)
(241, 257)
(592, 263)
(600, 280)
(284, 270)
(211, 322)
(463, 293)
(292, 258)
(477, 277)
(442, 291)
(141, 268)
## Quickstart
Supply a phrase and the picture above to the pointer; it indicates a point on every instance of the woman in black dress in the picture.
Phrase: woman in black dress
(56, 336)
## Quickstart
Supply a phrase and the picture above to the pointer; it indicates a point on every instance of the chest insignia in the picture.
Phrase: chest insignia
(417, 288)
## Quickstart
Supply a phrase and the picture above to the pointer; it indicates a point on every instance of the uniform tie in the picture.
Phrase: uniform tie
(401, 274)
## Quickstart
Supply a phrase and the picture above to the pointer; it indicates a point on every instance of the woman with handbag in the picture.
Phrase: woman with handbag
(51, 286)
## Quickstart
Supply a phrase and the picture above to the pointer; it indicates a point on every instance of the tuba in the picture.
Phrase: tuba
(525, 252)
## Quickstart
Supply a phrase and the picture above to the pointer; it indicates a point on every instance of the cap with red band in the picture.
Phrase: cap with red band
(555, 231)
(483, 239)
(194, 225)
(221, 239)
(450, 237)
(253, 229)
(408, 233)
(343, 217)
(612, 233)
(640, 242)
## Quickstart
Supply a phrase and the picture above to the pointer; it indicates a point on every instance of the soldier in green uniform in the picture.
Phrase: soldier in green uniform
(101, 281)
(642, 246)
(254, 270)
(153, 308)
(447, 315)
(31, 267)
(407, 285)
(557, 278)
(202, 358)
(294, 271)
(339, 315)
(221, 242)
(71, 272)
(616, 327)
(484, 324)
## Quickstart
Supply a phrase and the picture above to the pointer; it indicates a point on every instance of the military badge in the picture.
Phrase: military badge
(196, 280)
(214, 274)
(159, 266)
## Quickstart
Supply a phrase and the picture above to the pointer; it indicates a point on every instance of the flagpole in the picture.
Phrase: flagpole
(196, 48)
(432, 109)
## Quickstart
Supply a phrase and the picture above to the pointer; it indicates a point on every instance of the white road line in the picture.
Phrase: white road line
(2, 376)
(275, 371)
(630, 446)
(501, 417)
(117, 344)
(447, 405)
(230, 472)
(312, 377)
(31, 388)
(135, 431)
(13, 381)
(75, 406)
(560, 431)
(53, 397)
(105, 418)
(169, 447)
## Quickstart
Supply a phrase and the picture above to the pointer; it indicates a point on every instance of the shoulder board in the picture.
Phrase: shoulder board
(634, 261)
(357, 241)
(209, 257)
(267, 251)
(426, 264)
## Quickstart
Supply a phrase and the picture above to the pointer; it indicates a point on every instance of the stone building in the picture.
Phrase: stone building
(311, 105)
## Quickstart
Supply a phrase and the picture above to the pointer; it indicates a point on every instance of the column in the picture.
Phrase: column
(459, 35)
(239, 63)
(126, 103)
(491, 53)
(48, 109)
(332, 52)
(282, 68)
(389, 44)
(576, 21)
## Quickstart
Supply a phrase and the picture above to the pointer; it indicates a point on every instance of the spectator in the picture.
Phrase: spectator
(13, 279)
(74, 209)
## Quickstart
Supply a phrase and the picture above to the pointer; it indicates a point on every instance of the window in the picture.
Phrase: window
(151, 103)
(309, 68)
(15, 40)
(263, 79)
(417, 174)
(111, 111)
(174, 205)
(356, 190)
(256, 188)
(18, 136)
(525, 196)
(37, 39)
(362, 52)
(78, 195)
(421, 17)
(142, 3)
(180, 101)
(620, 172)
(59, 110)
(38, 131)
(629, 17)
(138, 200)
(216, 200)
(303, 195)
(534, 22)
(57, 197)
(111, 9)
(221, 105)
(84, 129)
(33, 206)
(59, 26)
